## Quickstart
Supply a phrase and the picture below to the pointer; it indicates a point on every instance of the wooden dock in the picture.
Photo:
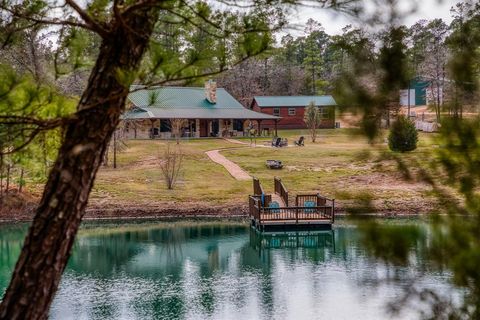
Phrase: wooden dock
(272, 212)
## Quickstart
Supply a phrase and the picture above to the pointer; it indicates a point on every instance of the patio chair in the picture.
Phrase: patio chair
(309, 204)
(300, 142)
(276, 142)
(283, 142)
(275, 206)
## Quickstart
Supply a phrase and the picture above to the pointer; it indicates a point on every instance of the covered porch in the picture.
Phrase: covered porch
(158, 128)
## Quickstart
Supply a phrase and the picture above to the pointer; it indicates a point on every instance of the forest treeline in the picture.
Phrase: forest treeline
(314, 62)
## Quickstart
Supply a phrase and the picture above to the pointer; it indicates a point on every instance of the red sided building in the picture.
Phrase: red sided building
(291, 109)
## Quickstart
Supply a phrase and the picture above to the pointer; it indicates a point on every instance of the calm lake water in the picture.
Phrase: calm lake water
(223, 270)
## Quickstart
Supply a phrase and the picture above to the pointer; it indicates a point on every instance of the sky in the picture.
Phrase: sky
(334, 22)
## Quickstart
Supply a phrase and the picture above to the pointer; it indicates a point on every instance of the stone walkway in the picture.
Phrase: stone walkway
(232, 168)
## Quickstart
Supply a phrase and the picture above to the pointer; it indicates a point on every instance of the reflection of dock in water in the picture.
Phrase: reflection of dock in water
(300, 239)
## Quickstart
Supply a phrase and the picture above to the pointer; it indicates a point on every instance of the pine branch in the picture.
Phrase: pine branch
(92, 23)
(53, 21)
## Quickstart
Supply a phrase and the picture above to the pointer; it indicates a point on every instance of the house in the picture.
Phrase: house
(291, 110)
(204, 112)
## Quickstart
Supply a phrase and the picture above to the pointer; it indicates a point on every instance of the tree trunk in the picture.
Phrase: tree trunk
(105, 156)
(1, 177)
(20, 184)
(438, 102)
(50, 238)
(44, 152)
(313, 134)
(7, 183)
(115, 150)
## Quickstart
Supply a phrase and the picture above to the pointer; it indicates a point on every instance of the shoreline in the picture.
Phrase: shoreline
(175, 213)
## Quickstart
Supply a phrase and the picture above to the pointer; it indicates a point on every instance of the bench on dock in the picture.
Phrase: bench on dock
(272, 211)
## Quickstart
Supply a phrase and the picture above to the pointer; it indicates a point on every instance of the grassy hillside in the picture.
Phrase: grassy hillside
(341, 164)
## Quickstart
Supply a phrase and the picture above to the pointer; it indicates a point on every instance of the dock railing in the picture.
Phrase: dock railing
(281, 190)
(257, 187)
(296, 214)
(305, 200)
(254, 207)
(309, 208)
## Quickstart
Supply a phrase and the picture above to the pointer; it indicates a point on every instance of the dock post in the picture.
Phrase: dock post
(260, 216)
(333, 211)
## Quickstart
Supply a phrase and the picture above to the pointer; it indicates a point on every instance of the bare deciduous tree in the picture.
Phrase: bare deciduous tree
(176, 126)
(171, 165)
(312, 119)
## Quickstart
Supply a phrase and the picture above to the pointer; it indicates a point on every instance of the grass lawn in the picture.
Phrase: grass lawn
(341, 164)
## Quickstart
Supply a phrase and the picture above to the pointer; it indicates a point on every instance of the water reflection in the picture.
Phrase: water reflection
(318, 245)
(217, 271)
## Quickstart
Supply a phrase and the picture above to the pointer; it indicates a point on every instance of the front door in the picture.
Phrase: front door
(215, 128)
(203, 128)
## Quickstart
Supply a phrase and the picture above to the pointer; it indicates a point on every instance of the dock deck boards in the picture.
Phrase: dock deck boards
(276, 197)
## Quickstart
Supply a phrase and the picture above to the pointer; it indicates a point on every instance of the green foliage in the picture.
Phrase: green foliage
(460, 158)
(403, 135)
(452, 170)
(21, 97)
(314, 48)
(392, 61)
(464, 43)
(77, 50)
(192, 41)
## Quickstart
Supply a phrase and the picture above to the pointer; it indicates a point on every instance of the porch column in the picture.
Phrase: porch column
(151, 129)
(259, 127)
(197, 128)
(221, 122)
(276, 134)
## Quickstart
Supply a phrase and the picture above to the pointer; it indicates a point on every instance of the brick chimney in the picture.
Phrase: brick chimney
(211, 91)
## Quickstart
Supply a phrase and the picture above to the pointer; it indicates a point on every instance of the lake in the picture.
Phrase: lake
(225, 270)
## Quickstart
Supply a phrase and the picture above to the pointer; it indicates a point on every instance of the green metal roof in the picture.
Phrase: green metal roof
(187, 102)
(293, 101)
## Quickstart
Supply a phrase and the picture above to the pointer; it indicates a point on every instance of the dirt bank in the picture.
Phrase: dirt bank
(21, 207)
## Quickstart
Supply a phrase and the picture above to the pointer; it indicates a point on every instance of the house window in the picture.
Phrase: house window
(323, 112)
(276, 112)
(292, 111)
